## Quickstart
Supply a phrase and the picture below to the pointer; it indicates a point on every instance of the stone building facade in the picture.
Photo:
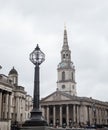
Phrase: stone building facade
(15, 104)
(61, 108)
(64, 106)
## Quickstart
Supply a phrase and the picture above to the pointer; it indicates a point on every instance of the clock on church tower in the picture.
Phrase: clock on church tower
(66, 70)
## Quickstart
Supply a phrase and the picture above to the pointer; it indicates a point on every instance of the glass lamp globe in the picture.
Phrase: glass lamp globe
(37, 56)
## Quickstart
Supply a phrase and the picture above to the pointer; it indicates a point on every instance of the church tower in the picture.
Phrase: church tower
(66, 70)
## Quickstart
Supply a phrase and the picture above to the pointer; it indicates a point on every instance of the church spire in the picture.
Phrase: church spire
(65, 40)
(65, 52)
(66, 70)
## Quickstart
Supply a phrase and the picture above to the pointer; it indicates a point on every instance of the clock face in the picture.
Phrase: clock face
(66, 65)
(63, 64)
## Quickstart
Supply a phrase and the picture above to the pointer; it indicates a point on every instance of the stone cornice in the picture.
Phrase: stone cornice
(73, 100)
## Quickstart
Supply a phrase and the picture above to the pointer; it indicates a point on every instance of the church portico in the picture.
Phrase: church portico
(62, 114)
(73, 110)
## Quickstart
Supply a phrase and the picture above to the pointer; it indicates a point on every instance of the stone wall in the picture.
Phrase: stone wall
(5, 125)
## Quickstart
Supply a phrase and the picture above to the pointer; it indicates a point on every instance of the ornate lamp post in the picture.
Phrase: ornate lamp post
(36, 57)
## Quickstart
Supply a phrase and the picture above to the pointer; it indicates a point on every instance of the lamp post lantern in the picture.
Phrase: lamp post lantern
(36, 57)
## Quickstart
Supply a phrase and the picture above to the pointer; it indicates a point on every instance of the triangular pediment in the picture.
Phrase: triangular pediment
(56, 96)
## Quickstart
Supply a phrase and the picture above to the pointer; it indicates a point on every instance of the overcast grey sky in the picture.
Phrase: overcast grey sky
(24, 23)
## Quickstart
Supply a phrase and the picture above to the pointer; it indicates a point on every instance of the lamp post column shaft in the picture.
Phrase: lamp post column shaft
(36, 88)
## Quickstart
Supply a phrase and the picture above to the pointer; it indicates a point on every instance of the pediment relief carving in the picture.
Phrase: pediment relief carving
(56, 97)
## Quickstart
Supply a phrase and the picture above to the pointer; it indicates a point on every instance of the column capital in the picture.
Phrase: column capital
(6, 92)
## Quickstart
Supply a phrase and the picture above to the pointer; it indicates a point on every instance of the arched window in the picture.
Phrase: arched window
(63, 75)
(66, 55)
(63, 56)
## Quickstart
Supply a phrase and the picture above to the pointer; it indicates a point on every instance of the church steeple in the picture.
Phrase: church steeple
(65, 52)
(66, 70)
(65, 40)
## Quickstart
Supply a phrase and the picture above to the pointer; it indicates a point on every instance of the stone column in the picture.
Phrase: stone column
(77, 114)
(43, 111)
(6, 106)
(23, 110)
(81, 114)
(74, 116)
(3, 105)
(100, 113)
(20, 108)
(48, 114)
(0, 104)
(90, 115)
(67, 115)
(53, 115)
(9, 106)
(60, 115)
(17, 114)
(97, 115)
(85, 114)
(105, 116)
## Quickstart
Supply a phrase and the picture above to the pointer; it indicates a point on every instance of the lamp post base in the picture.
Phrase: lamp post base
(36, 119)
(34, 122)
(35, 128)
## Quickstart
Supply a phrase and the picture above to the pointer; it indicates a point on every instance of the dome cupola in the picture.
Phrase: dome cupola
(13, 75)
(13, 71)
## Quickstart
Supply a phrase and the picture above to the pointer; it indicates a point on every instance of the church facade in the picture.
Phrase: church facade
(64, 107)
